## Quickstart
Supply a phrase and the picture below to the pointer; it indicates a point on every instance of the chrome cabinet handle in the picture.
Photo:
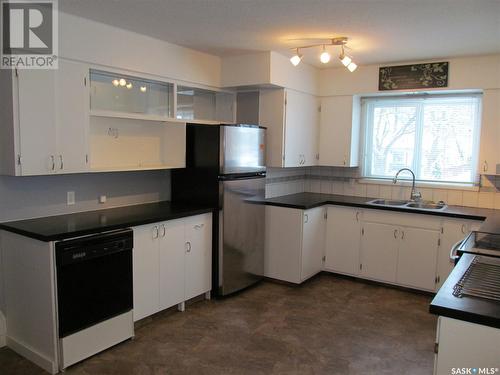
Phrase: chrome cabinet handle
(463, 228)
(61, 166)
(395, 233)
(163, 230)
(306, 217)
(199, 226)
(188, 247)
(53, 162)
(357, 215)
(403, 235)
(453, 251)
(155, 232)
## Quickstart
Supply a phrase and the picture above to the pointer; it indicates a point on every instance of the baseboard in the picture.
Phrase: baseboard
(32, 355)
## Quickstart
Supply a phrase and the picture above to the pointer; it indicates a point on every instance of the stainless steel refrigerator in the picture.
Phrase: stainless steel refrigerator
(225, 168)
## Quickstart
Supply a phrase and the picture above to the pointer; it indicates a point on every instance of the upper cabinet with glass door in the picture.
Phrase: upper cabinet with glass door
(204, 105)
(118, 95)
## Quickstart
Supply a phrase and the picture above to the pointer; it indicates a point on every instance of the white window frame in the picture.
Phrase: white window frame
(413, 99)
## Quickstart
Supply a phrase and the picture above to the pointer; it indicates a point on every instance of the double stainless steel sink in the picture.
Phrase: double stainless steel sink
(420, 205)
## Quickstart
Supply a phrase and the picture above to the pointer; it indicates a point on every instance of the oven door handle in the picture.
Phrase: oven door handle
(453, 251)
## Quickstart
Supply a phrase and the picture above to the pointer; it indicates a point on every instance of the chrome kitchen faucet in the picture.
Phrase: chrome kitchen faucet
(415, 195)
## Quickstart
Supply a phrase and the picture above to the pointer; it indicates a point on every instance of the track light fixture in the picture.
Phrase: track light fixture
(325, 55)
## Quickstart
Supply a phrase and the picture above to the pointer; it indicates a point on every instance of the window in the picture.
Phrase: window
(437, 136)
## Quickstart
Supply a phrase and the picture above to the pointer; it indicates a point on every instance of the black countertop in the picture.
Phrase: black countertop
(55, 228)
(306, 201)
(470, 309)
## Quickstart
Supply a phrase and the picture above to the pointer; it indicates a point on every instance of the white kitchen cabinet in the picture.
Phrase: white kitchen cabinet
(49, 117)
(225, 107)
(292, 121)
(453, 231)
(294, 243)
(313, 234)
(171, 262)
(406, 249)
(343, 238)
(72, 108)
(417, 258)
(489, 153)
(198, 245)
(125, 96)
(339, 131)
(400, 248)
(379, 251)
(463, 346)
(146, 255)
(205, 105)
(37, 126)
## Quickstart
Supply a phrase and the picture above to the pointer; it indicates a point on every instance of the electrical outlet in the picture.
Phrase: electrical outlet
(71, 198)
(102, 199)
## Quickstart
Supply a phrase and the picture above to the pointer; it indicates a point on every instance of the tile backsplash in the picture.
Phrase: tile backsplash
(284, 181)
(344, 181)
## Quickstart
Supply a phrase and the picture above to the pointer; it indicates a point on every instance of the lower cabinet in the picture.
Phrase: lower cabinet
(294, 243)
(417, 257)
(463, 346)
(407, 249)
(172, 263)
(198, 269)
(379, 251)
(401, 248)
(342, 240)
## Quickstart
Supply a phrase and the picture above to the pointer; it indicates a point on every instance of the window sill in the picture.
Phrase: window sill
(419, 184)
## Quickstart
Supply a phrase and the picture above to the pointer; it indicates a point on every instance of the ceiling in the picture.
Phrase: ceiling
(379, 31)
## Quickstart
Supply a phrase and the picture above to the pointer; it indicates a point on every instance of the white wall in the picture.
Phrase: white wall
(476, 72)
(302, 77)
(97, 43)
(28, 197)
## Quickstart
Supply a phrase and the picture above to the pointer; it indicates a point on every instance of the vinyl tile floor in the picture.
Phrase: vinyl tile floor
(328, 325)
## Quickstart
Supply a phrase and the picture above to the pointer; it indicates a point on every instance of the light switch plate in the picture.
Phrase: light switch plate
(102, 199)
(71, 198)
